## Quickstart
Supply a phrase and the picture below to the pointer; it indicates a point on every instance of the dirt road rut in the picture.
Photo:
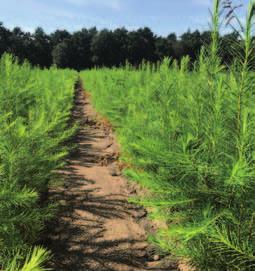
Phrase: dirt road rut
(97, 229)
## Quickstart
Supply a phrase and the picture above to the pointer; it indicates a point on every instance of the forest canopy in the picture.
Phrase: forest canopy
(88, 48)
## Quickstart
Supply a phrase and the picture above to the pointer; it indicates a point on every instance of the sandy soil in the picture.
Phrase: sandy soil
(97, 229)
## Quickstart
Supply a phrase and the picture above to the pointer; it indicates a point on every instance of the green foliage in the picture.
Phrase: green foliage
(35, 107)
(33, 262)
(189, 138)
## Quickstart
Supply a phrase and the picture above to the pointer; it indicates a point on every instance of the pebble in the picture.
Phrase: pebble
(156, 258)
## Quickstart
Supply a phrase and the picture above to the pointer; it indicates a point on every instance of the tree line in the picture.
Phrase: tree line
(90, 47)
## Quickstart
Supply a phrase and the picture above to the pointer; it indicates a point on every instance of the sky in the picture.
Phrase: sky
(162, 16)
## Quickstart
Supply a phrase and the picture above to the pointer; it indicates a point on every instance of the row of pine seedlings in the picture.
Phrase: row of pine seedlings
(35, 107)
(188, 136)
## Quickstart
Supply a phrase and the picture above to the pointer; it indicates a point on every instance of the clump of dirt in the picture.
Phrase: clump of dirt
(97, 228)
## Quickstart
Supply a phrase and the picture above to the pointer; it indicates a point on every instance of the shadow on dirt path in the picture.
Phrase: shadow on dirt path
(97, 229)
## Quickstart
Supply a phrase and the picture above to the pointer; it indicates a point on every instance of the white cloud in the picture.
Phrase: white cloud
(112, 4)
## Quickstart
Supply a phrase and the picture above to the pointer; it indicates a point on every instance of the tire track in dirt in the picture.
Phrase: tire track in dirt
(97, 229)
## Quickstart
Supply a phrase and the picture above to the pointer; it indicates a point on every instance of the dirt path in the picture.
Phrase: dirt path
(97, 228)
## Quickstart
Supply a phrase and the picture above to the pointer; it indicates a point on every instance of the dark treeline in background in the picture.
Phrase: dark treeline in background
(89, 47)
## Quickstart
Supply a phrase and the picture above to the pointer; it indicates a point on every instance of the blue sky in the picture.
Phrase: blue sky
(162, 16)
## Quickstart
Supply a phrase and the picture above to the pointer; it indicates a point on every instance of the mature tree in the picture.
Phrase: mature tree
(167, 47)
(62, 54)
(104, 48)
(81, 42)
(141, 46)
(121, 42)
(4, 39)
(164, 48)
(191, 43)
(21, 44)
(172, 37)
(42, 54)
(59, 36)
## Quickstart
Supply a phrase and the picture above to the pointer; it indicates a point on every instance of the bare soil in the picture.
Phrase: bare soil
(97, 229)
